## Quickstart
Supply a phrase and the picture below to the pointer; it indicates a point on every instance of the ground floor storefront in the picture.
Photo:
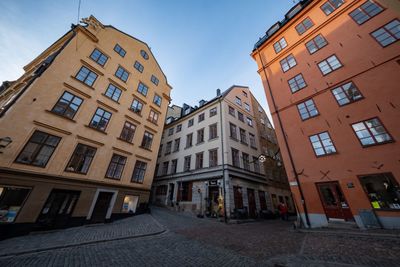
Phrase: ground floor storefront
(247, 195)
(30, 202)
(369, 201)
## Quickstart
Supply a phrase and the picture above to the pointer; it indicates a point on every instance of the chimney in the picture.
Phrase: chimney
(218, 92)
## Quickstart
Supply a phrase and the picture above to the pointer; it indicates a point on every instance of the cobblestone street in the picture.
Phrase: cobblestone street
(179, 240)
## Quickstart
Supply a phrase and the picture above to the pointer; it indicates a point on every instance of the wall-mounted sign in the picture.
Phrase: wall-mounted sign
(213, 182)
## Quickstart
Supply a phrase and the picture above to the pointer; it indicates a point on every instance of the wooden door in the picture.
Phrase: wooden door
(101, 207)
(252, 203)
(333, 201)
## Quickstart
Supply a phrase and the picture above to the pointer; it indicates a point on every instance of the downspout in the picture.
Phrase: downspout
(286, 143)
(223, 158)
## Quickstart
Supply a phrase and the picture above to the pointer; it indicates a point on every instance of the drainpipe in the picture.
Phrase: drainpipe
(286, 143)
(223, 158)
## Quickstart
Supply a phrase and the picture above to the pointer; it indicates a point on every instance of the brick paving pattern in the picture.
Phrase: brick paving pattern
(205, 242)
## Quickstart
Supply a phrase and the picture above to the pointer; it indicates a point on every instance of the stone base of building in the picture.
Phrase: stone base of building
(34, 202)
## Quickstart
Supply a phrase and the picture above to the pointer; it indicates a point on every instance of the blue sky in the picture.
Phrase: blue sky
(201, 45)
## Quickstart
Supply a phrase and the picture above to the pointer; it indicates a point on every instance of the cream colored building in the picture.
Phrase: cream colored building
(85, 123)
(212, 150)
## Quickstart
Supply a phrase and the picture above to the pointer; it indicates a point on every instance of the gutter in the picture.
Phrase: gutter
(223, 157)
(286, 144)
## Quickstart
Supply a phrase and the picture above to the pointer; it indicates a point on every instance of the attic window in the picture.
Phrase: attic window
(273, 29)
(294, 11)
(144, 54)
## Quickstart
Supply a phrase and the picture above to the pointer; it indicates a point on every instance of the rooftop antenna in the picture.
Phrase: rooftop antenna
(77, 22)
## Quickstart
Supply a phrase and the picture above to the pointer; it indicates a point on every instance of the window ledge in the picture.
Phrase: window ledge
(378, 144)
(123, 140)
(137, 114)
(61, 116)
(155, 123)
(112, 178)
(145, 148)
(253, 147)
(97, 130)
(244, 143)
(136, 182)
(212, 139)
(88, 86)
(115, 101)
(234, 139)
(200, 143)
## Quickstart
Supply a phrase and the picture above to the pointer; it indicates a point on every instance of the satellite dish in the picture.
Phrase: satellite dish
(262, 158)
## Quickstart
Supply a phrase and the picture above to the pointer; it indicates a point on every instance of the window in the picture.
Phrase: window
(331, 5)
(168, 148)
(113, 92)
(186, 166)
(281, 44)
(81, 159)
(136, 106)
(11, 201)
(238, 101)
(366, 11)
(288, 63)
(170, 131)
(189, 140)
(165, 168)
(139, 172)
(247, 107)
(154, 80)
(162, 190)
(238, 197)
(304, 26)
(243, 137)
(199, 160)
(213, 157)
(307, 109)
(252, 138)
(128, 131)
(244, 93)
(177, 144)
(185, 191)
(213, 133)
(233, 131)
(119, 50)
(201, 117)
(147, 140)
(99, 57)
(157, 100)
(382, 189)
(122, 74)
(256, 165)
(190, 122)
(371, 132)
(86, 76)
(200, 136)
(231, 111)
(116, 167)
(153, 116)
(100, 119)
(346, 93)
(249, 121)
(297, 83)
(246, 162)
(235, 158)
(130, 203)
(240, 116)
(322, 144)
(38, 150)
(144, 54)
(138, 66)
(174, 165)
(388, 34)
(143, 89)
(213, 112)
(316, 44)
(330, 64)
(178, 128)
(67, 105)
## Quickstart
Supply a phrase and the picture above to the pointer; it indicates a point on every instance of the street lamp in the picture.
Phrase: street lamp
(4, 142)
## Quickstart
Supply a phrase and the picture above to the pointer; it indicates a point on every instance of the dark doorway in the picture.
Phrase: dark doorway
(252, 203)
(213, 194)
(171, 194)
(101, 207)
(333, 201)
(58, 208)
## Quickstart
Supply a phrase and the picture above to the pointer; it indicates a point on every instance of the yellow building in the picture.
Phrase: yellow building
(80, 131)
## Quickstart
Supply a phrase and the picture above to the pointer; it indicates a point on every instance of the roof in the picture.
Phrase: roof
(295, 10)
(208, 103)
